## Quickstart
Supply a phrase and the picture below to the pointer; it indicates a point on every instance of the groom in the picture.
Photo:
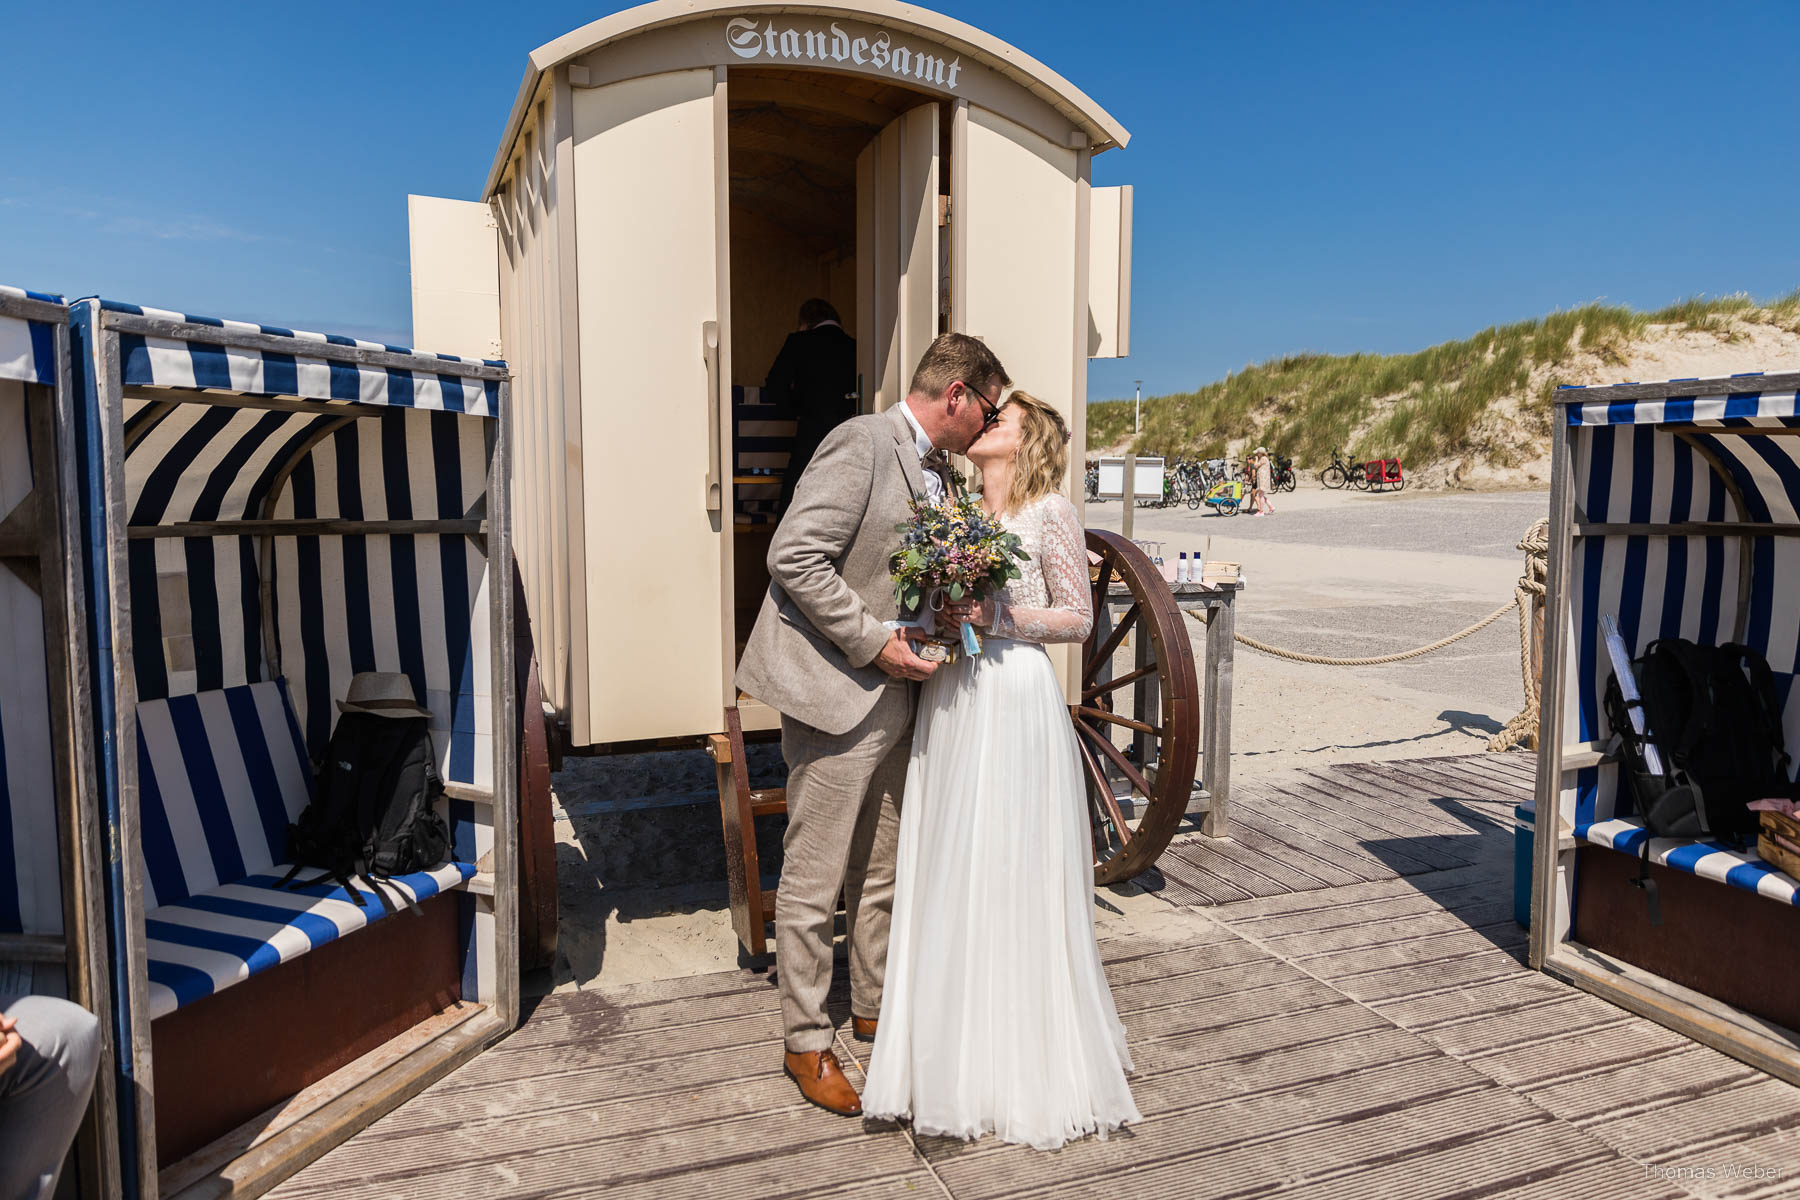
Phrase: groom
(823, 654)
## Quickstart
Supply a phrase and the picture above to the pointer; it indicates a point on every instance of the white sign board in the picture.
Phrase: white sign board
(1149, 479)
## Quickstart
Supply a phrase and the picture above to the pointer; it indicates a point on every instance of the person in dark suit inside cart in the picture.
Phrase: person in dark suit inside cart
(814, 377)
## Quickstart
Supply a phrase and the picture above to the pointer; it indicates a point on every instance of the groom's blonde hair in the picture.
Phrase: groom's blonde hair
(1043, 456)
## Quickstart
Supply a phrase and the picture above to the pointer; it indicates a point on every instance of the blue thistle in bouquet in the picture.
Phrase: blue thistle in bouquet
(952, 551)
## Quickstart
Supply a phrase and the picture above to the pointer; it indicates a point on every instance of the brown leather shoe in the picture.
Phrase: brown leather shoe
(862, 1028)
(822, 1081)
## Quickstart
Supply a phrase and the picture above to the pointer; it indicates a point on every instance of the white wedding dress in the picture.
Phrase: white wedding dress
(995, 1013)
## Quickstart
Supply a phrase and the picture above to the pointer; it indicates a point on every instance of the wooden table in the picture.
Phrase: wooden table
(1212, 778)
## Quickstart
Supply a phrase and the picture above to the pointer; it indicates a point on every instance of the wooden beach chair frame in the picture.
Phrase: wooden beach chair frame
(40, 545)
(1726, 445)
(110, 343)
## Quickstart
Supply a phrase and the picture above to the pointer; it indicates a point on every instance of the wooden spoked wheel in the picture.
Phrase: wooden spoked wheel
(1138, 721)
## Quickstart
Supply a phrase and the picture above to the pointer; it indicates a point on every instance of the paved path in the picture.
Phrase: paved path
(1331, 1004)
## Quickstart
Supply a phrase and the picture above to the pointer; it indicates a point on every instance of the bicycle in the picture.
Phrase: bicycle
(1284, 478)
(1340, 473)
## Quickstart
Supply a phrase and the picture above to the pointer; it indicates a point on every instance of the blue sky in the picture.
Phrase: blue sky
(1327, 177)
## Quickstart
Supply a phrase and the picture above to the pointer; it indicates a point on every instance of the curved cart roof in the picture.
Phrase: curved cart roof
(1101, 128)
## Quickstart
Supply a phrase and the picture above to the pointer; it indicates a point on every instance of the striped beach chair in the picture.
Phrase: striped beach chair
(221, 775)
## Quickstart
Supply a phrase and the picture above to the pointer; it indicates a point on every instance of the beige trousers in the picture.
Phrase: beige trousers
(843, 810)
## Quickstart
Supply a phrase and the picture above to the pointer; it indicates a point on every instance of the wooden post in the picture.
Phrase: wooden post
(1215, 746)
(1547, 913)
(1130, 491)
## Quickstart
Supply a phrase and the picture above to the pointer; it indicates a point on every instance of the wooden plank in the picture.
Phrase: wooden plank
(1477, 777)
(1352, 860)
(1765, 1047)
(25, 308)
(1549, 914)
(504, 812)
(1216, 702)
(213, 335)
(1264, 1137)
(1508, 786)
(1459, 786)
(1360, 807)
(1720, 385)
(32, 948)
(1403, 856)
(754, 1156)
(365, 1090)
(1692, 528)
(1211, 884)
(292, 527)
(1243, 863)
(1249, 839)
(218, 1156)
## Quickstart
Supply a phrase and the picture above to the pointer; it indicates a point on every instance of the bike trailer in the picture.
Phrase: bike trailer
(1226, 495)
(1384, 472)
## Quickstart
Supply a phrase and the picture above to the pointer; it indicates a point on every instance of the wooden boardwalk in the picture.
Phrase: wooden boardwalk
(1331, 1004)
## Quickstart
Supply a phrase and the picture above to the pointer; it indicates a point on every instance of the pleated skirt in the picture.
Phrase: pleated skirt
(995, 1015)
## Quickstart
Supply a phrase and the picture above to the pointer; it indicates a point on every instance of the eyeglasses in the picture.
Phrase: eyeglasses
(990, 409)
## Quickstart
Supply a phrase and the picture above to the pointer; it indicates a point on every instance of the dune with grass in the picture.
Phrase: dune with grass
(1472, 414)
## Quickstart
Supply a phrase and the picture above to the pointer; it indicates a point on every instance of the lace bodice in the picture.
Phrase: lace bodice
(1050, 601)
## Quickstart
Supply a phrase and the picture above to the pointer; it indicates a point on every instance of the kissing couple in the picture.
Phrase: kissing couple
(947, 802)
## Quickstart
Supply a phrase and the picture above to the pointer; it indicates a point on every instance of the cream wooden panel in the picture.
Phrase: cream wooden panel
(646, 266)
(1109, 274)
(1019, 222)
(896, 253)
(455, 277)
(1021, 236)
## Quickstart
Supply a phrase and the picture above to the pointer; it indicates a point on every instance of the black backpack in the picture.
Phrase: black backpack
(1714, 718)
(373, 810)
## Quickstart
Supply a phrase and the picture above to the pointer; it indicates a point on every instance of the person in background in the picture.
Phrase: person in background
(1261, 484)
(49, 1051)
(814, 377)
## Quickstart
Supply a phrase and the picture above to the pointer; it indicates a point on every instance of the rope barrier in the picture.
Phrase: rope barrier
(1527, 595)
(1323, 660)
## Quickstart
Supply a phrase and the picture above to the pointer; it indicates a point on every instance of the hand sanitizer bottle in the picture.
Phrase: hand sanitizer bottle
(1181, 569)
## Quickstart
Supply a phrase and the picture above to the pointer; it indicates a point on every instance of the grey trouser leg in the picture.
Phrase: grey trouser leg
(843, 801)
(45, 1094)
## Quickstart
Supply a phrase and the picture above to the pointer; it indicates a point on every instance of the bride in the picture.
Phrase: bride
(996, 1016)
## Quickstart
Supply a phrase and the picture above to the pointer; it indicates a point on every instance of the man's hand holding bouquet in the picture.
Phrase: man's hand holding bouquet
(951, 555)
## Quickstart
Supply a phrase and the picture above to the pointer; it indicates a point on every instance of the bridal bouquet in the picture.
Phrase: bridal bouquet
(950, 551)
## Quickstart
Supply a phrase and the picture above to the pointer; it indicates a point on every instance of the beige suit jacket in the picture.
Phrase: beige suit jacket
(811, 656)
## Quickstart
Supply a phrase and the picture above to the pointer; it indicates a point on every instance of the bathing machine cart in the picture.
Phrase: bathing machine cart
(674, 180)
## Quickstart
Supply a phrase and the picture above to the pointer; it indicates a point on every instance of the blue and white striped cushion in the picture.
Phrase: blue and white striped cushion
(209, 941)
(1709, 860)
(221, 774)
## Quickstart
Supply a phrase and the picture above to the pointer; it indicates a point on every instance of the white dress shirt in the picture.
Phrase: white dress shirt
(934, 483)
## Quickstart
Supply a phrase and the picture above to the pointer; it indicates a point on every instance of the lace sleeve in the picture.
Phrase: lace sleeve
(1063, 559)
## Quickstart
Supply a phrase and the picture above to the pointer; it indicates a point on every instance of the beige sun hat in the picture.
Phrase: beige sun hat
(382, 694)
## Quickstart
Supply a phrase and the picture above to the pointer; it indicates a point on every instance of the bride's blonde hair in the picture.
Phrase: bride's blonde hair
(1043, 456)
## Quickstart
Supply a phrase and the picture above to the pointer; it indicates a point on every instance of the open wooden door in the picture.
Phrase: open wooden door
(649, 156)
(1020, 223)
(896, 254)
